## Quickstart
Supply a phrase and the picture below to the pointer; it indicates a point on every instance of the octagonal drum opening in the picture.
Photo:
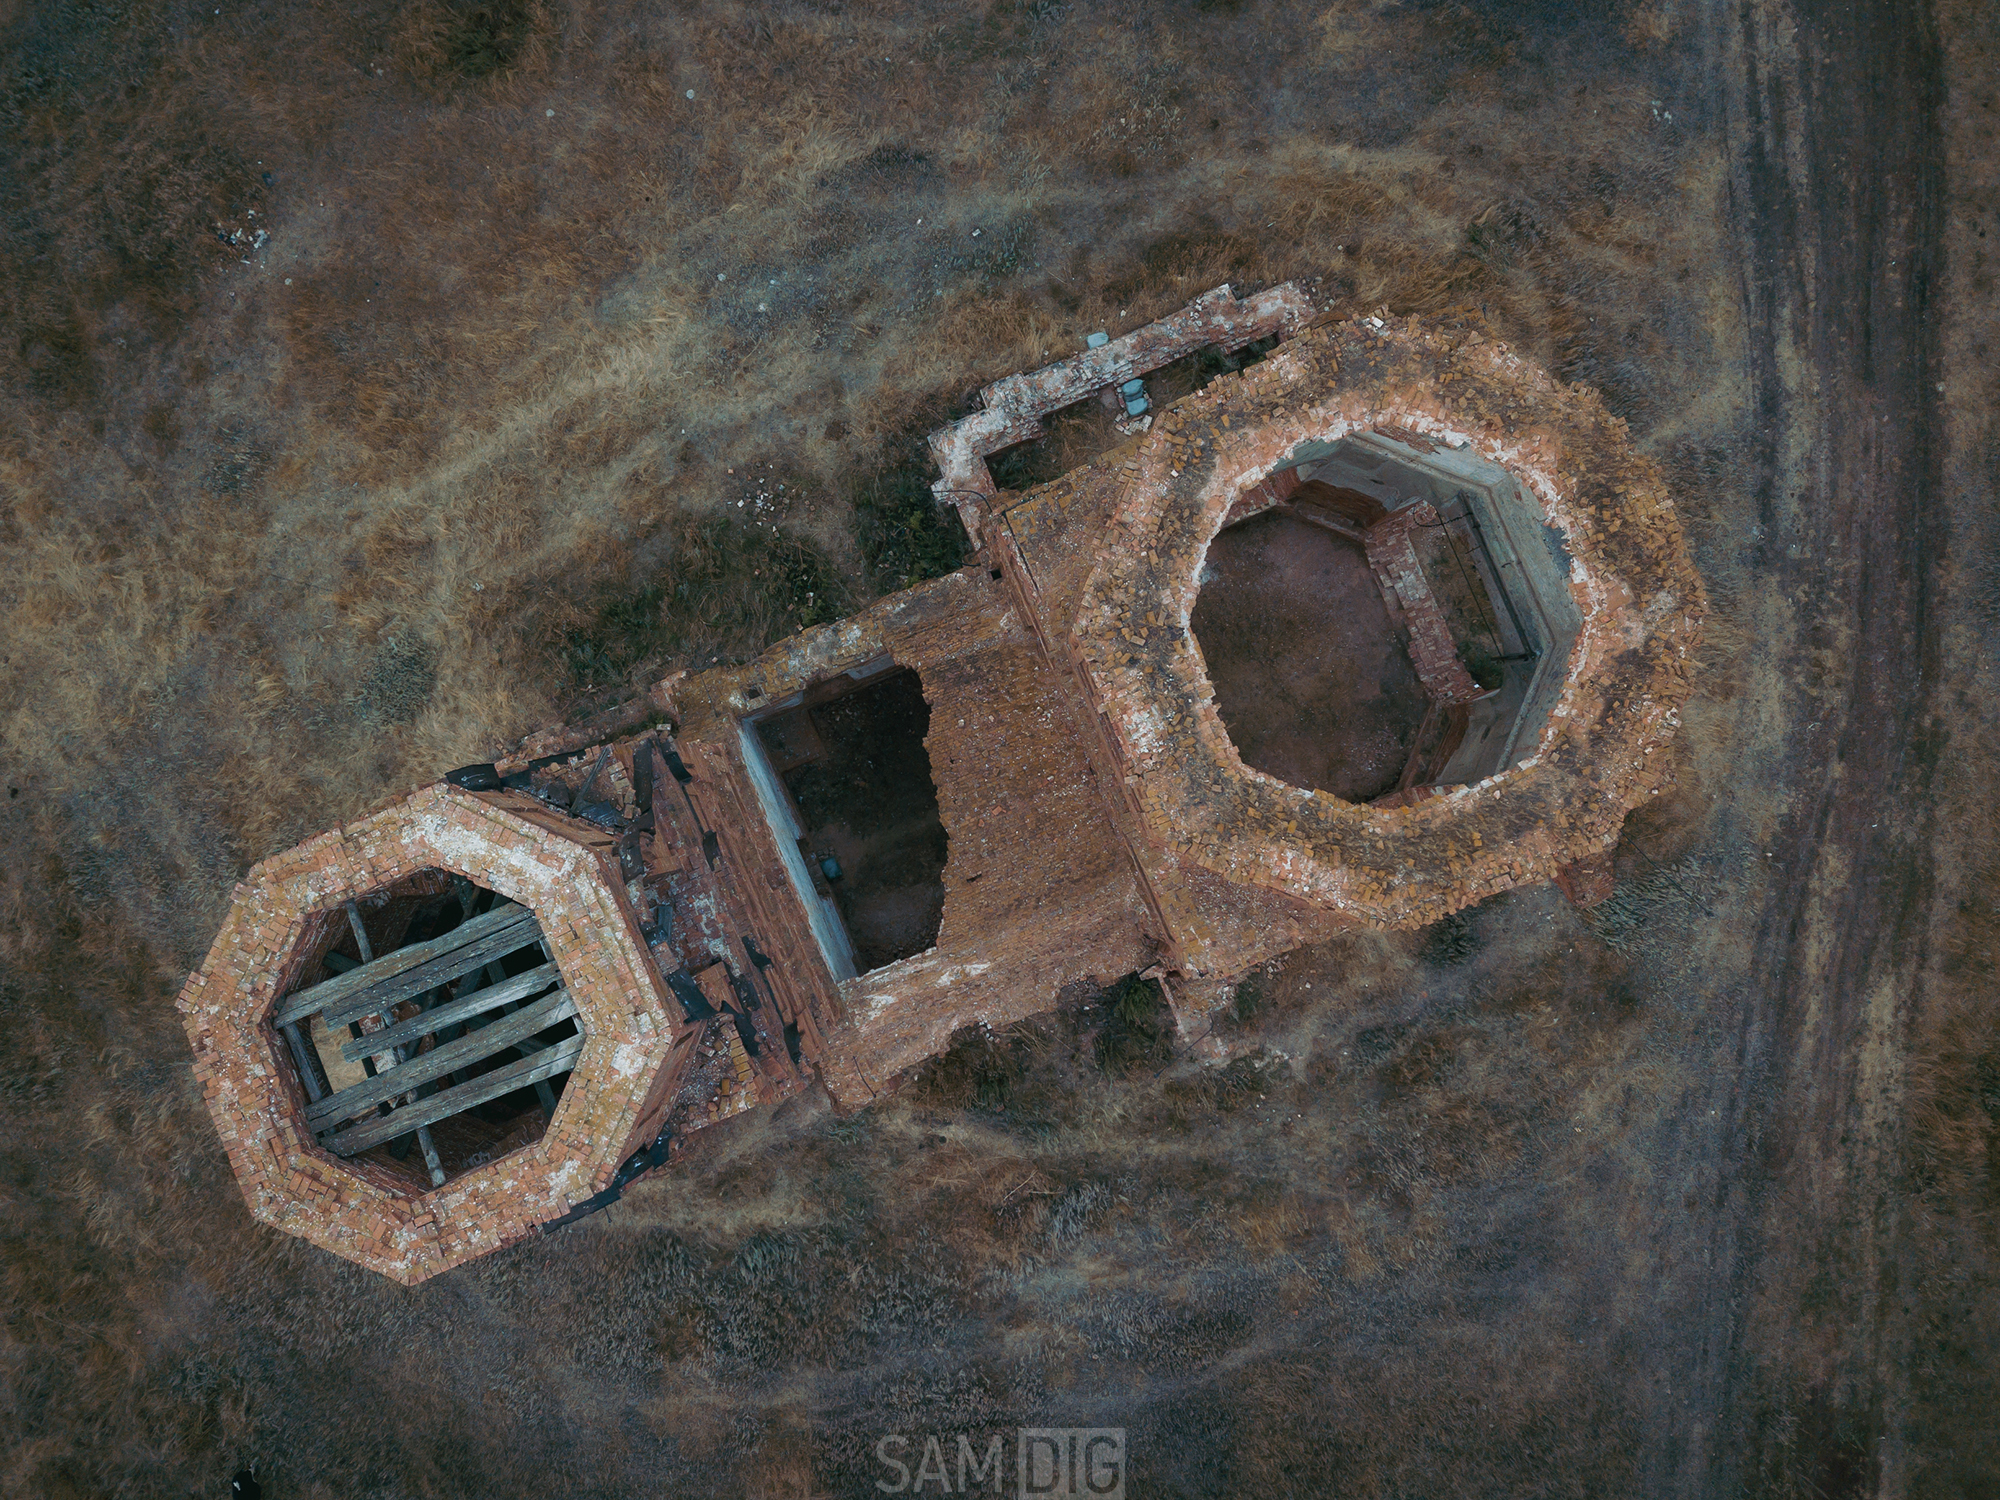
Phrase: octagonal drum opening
(1382, 615)
(429, 1031)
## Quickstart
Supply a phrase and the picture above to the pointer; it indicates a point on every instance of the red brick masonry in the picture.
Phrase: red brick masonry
(511, 844)
(1099, 821)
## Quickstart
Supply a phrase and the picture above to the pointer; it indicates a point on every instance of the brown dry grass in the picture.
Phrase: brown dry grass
(494, 423)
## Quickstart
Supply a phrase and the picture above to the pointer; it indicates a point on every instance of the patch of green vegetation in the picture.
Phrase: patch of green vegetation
(980, 1070)
(722, 590)
(1138, 1028)
(905, 535)
(482, 40)
(1245, 1003)
(1449, 941)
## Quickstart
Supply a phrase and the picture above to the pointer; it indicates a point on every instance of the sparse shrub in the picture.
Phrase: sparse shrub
(1634, 911)
(1214, 1091)
(1450, 941)
(1246, 1002)
(978, 1071)
(480, 40)
(399, 681)
(1073, 1212)
(1137, 1029)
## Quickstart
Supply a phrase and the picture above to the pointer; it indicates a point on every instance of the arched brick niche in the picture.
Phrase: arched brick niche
(1577, 741)
(538, 897)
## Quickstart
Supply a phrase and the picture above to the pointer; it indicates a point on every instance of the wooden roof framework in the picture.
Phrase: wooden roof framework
(428, 1021)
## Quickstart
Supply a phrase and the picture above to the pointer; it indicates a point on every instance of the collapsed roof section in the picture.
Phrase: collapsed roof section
(1602, 600)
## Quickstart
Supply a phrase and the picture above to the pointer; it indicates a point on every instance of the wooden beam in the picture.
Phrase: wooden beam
(380, 999)
(1324, 522)
(302, 1057)
(431, 1155)
(452, 1011)
(361, 944)
(376, 1129)
(423, 965)
(529, 1046)
(439, 1061)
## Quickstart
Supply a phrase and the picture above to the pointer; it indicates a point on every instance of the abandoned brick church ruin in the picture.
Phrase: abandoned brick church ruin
(1370, 628)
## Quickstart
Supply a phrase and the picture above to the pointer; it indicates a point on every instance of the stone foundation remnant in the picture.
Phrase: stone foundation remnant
(1377, 626)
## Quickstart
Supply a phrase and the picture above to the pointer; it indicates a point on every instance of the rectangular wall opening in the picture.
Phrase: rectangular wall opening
(849, 786)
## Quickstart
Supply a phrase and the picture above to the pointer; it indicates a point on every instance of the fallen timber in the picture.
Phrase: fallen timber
(373, 1131)
(388, 981)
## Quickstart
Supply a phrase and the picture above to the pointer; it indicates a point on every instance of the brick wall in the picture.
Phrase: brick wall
(1098, 819)
(287, 912)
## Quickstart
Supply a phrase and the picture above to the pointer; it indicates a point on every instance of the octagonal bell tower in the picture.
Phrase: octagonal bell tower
(428, 1031)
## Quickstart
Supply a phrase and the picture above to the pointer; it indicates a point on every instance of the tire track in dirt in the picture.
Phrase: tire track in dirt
(1837, 189)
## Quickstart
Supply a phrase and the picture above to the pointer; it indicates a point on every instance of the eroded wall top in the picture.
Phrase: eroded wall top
(561, 870)
(1635, 591)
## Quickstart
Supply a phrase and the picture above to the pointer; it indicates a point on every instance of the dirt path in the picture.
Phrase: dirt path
(1837, 190)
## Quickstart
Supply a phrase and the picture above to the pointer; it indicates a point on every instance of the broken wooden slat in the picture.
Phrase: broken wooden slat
(441, 1060)
(410, 971)
(477, 1002)
(376, 1129)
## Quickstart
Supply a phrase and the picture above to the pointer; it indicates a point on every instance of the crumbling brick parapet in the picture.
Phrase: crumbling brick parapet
(280, 919)
(1639, 599)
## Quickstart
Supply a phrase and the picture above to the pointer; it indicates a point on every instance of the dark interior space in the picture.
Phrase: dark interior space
(1312, 677)
(1453, 563)
(853, 758)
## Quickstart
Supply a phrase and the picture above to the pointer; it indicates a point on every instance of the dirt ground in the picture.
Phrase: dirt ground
(1313, 680)
(379, 383)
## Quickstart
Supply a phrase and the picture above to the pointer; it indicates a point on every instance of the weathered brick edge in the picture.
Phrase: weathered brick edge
(568, 875)
(1630, 672)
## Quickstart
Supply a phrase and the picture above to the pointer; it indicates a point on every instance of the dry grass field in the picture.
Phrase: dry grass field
(380, 383)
